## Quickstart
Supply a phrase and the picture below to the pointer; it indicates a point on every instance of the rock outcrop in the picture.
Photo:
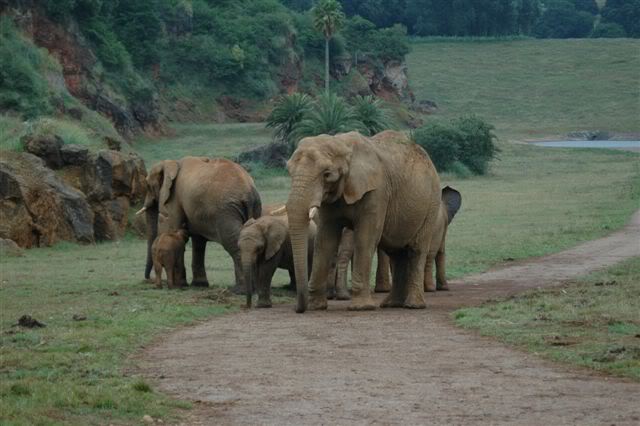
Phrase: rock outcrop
(87, 199)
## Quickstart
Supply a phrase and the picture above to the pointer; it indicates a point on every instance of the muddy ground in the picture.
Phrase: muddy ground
(392, 366)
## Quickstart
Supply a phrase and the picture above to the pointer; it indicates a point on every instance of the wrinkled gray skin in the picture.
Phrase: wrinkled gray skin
(264, 247)
(168, 253)
(213, 197)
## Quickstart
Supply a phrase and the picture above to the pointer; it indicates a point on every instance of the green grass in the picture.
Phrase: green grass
(210, 140)
(11, 130)
(533, 88)
(594, 322)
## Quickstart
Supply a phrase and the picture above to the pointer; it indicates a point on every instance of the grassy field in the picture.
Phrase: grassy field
(533, 88)
(594, 322)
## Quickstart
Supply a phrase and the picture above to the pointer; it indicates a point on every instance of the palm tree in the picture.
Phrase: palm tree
(287, 113)
(328, 19)
(330, 114)
(370, 111)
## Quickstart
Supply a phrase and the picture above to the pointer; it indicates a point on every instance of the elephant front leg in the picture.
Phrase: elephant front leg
(383, 280)
(199, 245)
(365, 245)
(345, 253)
(265, 276)
(326, 246)
(441, 275)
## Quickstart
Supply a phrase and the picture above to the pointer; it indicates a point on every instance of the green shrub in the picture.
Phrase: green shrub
(465, 142)
(69, 132)
(562, 20)
(441, 141)
(329, 114)
(476, 147)
(287, 114)
(370, 112)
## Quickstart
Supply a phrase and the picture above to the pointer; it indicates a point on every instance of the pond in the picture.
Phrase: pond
(631, 145)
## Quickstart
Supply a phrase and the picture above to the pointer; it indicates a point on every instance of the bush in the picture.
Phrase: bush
(287, 114)
(466, 142)
(441, 141)
(329, 114)
(370, 112)
(608, 30)
(625, 13)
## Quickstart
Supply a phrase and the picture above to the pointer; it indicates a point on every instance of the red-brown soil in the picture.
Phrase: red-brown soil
(392, 366)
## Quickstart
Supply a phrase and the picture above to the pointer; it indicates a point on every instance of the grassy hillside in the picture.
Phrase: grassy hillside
(533, 88)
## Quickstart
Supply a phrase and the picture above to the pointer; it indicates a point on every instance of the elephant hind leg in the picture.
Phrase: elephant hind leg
(429, 285)
(383, 281)
(441, 275)
(398, 294)
(415, 282)
(157, 270)
(198, 248)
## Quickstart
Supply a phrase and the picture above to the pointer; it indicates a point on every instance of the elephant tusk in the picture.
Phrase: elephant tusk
(312, 212)
(142, 210)
(279, 211)
(164, 216)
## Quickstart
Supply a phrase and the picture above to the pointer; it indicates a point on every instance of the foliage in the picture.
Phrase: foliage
(608, 30)
(69, 132)
(468, 139)
(287, 113)
(370, 112)
(563, 20)
(625, 13)
(23, 87)
(591, 323)
(587, 5)
(364, 39)
(329, 114)
(449, 18)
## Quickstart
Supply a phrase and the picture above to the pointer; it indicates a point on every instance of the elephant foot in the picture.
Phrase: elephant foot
(429, 288)
(391, 302)
(343, 295)
(238, 290)
(362, 303)
(263, 304)
(442, 286)
(317, 304)
(381, 289)
(331, 294)
(414, 301)
(200, 283)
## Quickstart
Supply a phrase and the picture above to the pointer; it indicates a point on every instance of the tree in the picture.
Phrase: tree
(329, 114)
(625, 13)
(369, 111)
(328, 19)
(287, 113)
(562, 20)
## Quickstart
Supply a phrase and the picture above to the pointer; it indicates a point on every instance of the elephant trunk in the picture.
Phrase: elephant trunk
(249, 271)
(298, 206)
(151, 216)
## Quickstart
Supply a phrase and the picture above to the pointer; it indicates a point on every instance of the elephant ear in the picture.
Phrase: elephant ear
(365, 170)
(170, 169)
(275, 236)
(452, 200)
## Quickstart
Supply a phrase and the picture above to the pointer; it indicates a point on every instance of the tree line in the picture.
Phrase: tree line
(490, 18)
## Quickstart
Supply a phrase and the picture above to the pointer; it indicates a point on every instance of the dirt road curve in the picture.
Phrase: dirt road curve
(392, 366)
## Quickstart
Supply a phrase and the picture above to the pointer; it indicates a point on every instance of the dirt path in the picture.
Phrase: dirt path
(392, 366)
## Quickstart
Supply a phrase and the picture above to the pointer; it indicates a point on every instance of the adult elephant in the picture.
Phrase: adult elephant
(386, 189)
(212, 197)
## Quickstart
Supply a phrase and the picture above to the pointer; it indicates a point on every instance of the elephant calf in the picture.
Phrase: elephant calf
(168, 253)
(449, 206)
(264, 247)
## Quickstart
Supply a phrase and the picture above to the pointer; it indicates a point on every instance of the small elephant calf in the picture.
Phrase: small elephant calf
(168, 252)
(449, 206)
(264, 247)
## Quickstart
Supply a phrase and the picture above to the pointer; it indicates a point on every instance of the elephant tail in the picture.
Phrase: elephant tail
(252, 208)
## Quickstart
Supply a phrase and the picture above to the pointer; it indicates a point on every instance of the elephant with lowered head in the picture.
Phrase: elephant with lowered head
(386, 189)
(213, 197)
(264, 247)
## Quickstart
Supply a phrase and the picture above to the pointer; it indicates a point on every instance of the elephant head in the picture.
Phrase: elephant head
(452, 201)
(323, 170)
(158, 191)
(259, 241)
